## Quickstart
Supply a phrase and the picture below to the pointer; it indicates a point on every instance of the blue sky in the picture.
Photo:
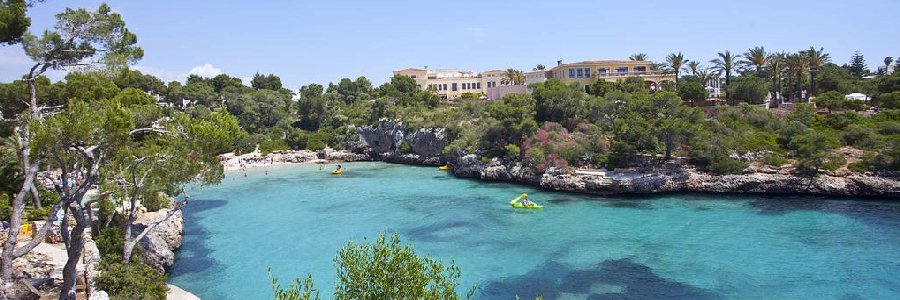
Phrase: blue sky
(322, 41)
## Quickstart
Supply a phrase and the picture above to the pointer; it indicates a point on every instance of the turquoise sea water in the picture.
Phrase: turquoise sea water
(689, 246)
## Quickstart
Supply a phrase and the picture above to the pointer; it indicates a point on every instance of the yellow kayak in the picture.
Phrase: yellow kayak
(515, 203)
(445, 167)
(337, 172)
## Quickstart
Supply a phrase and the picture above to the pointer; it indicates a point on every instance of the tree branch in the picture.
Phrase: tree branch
(41, 234)
(147, 130)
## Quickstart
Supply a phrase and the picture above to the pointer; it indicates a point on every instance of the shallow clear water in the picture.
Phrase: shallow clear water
(580, 247)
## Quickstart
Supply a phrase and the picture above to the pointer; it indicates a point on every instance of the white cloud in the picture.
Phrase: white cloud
(162, 74)
(206, 70)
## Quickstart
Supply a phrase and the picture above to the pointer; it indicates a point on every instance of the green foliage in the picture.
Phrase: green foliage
(692, 91)
(773, 159)
(15, 22)
(751, 89)
(154, 200)
(81, 34)
(110, 242)
(315, 144)
(131, 281)
(137, 80)
(858, 65)
(812, 150)
(836, 101)
(723, 165)
(388, 269)
(405, 147)
(889, 100)
(267, 82)
(557, 102)
(297, 290)
(600, 87)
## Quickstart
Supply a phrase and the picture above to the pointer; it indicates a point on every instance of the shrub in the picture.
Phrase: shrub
(315, 144)
(297, 290)
(512, 151)
(132, 281)
(388, 269)
(692, 91)
(773, 159)
(110, 242)
(154, 201)
(405, 147)
(859, 136)
(723, 165)
(750, 89)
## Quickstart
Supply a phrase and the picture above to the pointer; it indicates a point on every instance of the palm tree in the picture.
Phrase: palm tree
(815, 60)
(693, 67)
(755, 57)
(539, 67)
(724, 64)
(515, 77)
(796, 64)
(705, 75)
(676, 61)
(639, 57)
(775, 66)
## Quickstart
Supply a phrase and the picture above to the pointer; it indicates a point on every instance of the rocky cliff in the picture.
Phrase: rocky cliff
(159, 244)
(680, 180)
(391, 141)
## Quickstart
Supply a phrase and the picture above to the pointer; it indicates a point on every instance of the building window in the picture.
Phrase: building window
(640, 69)
(453, 86)
(571, 73)
(587, 72)
(478, 85)
(602, 71)
(580, 73)
(621, 70)
(444, 87)
(412, 76)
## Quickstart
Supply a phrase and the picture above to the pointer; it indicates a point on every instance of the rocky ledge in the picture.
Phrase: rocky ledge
(682, 180)
(159, 245)
(392, 141)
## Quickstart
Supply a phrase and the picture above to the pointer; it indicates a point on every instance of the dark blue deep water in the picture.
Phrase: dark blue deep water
(676, 246)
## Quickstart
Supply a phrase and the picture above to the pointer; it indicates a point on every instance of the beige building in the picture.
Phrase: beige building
(586, 72)
(451, 83)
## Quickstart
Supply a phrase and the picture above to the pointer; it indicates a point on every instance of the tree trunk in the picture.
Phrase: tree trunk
(73, 251)
(812, 83)
(676, 79)
(670, 143)
(800, 86)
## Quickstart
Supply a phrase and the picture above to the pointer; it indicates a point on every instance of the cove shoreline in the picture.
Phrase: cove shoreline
(674, 180)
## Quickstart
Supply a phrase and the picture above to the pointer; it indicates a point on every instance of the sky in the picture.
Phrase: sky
(323, 41)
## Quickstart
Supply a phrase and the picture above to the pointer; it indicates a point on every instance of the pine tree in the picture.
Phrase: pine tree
(858, 65)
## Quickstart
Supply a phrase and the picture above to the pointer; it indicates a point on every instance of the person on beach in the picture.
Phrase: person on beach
(321, 167)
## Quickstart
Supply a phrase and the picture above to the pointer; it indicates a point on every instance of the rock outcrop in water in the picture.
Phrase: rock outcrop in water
(424, 146)
(392, 141)
(159, 244)
(681, 180)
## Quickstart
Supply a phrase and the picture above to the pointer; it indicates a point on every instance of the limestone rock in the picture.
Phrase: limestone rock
(158, 245)
(428, 142)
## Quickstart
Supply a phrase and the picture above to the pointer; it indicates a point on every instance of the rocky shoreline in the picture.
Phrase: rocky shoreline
(391, 142)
